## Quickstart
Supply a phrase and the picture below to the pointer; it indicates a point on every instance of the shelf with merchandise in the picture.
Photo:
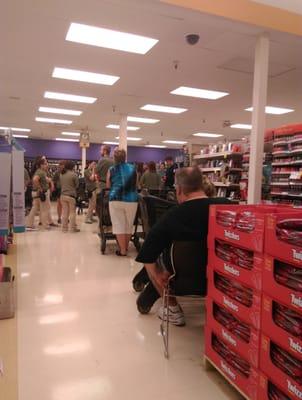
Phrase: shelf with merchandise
(287, 163)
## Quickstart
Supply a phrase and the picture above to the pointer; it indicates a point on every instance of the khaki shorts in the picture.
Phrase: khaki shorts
(122, 216)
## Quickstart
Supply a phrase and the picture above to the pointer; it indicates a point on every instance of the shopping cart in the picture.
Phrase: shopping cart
(151, 209)
(105, 225)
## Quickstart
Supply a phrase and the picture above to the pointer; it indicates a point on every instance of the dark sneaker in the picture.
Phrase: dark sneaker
(147, 298)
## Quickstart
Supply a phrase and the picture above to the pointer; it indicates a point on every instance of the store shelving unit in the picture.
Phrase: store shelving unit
(224, 169)
(286, 185)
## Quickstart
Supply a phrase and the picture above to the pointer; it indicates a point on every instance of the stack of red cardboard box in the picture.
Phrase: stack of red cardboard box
(282, 307)
(237, 279)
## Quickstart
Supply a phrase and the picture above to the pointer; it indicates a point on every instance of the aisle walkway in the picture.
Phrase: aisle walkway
(81, 338)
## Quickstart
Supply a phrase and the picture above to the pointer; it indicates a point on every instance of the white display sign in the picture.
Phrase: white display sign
(5, 182)
(18, 190)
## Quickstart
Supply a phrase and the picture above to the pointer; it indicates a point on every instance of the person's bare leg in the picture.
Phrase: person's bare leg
(121, 239)
(128, 238)
(59, 209)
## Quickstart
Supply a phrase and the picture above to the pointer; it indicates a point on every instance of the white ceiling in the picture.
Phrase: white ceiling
(34, 44)
(289, 5)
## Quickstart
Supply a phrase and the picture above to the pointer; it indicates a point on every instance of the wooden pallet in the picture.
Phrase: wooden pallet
(210, 366)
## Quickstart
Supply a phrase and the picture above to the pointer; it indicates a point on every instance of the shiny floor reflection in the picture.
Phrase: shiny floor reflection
(81, 338)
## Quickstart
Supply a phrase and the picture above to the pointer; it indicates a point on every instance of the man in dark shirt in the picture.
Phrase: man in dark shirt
(186, 222)
(170, 173)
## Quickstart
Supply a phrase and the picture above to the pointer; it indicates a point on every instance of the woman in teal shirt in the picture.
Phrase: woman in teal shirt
(123, 198)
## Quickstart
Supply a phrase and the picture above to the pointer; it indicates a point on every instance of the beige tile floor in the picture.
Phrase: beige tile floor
(81, 338)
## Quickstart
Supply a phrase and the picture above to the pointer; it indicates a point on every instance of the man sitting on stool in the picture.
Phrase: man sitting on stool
(186, 222)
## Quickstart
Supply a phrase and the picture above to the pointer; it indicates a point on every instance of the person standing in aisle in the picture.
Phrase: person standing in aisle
(40, 187)
(51, 188)
(123, 198)
(90, 183)
(69, 183)
(170, 173)
(151, 179)
(103, 166)
(57, 183)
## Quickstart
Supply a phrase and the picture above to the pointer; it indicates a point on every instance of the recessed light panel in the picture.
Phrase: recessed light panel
(131, 139)
(54, 120)
(66, 140)
(84, 76)
(163, 109)
(274, 110)
(112, 143)
(53, 110)
(69, 97)
(155, 146)
(109, 39)
(174, 141)
(242, 126)
(207, 135)
(21, 136)
(71, 133)
(3, 128)
(142, 120)
(129, 128)
(200, 93)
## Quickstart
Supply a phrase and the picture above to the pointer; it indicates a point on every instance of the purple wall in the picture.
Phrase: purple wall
(71, 150)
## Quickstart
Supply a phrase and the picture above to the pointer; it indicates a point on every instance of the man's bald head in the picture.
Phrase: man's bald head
(189, 180)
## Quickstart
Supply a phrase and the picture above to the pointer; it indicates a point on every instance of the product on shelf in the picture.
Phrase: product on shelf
(232, 358)
(288, 275)
(234, 290)
(234, 255)
(286, 362)
(283, 236)
(231, 323)
(287, 295)
(276, 394)
(290, 231)
(243, 221)
(287, 319)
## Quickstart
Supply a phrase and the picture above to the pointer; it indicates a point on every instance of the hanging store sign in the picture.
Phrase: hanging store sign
(84, 140)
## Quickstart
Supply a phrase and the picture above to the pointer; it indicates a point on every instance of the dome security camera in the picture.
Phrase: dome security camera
(192, 38)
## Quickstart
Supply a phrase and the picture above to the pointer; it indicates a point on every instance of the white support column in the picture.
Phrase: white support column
(258, 119)
(83, 161)
(123, 133)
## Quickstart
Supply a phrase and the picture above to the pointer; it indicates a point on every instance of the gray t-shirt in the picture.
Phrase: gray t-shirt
(150, 180)
(101, 170)
(69, 183)
(90, 185)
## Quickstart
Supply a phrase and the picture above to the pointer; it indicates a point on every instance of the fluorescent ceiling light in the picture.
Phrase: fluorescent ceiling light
(164, 109)
(156, 146)
(129, 128)
(71, 133)
(207, 135)
(54, 120)
(60, 139)
(132, 139)
(83, 76)
(59, 111)
(274, 110)
(142, 120)
(69, 97)
(242, 126)
(109, 39)
(174, 141)
(21, 136)
(14, 129)
(200, 93)
(112, 143)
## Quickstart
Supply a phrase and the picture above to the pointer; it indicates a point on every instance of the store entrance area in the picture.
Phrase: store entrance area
(80, 335)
